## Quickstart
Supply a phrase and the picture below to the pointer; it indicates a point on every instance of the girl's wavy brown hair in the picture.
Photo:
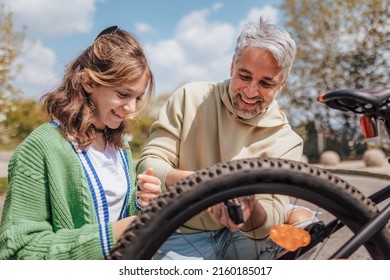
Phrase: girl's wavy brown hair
(112, 60)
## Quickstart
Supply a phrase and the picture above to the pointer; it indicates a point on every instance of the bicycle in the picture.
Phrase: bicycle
(341, 210)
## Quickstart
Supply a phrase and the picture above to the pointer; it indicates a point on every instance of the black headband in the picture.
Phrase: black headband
(108, 31)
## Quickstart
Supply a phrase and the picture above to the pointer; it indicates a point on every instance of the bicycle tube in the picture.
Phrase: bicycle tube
(245, 177)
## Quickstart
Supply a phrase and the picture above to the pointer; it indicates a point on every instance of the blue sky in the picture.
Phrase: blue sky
(184, 40)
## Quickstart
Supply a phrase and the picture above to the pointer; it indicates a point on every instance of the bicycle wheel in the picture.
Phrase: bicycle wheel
(332, 198)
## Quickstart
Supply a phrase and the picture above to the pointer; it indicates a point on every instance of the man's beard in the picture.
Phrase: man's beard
(250, 114)
(245, 114)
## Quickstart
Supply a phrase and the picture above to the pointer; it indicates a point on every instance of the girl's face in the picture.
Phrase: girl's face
(114, 104)
(255, 81)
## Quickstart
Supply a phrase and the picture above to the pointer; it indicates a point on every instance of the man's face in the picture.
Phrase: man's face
(255, 80)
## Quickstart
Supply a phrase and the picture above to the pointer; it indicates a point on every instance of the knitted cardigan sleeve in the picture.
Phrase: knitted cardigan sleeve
(48, 211)
(133, 207)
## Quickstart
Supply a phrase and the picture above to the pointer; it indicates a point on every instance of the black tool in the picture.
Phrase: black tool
(235, 212)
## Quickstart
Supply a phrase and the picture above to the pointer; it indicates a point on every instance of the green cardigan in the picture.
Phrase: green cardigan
(49, 211)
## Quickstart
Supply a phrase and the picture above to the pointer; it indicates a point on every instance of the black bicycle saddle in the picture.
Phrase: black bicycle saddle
(364, 101)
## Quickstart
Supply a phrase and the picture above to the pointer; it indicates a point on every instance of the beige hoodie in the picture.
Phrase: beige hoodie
(198, 127)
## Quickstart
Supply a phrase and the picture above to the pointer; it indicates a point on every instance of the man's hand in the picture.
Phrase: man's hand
(176, 175)
(253, 214)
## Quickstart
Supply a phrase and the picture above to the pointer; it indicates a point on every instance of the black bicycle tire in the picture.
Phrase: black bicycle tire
(243, 177)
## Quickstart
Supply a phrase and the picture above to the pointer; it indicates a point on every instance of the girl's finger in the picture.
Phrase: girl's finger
(153, 188)
(148, 171)
(146, 195)
(149, 179)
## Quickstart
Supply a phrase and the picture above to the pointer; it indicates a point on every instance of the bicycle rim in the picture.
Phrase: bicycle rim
(320, 190)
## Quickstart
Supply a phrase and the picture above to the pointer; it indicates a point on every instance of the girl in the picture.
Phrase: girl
(72, 190)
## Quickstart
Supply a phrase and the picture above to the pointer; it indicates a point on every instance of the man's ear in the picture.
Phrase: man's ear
(282, 85)
(87, 83)
(231, 67)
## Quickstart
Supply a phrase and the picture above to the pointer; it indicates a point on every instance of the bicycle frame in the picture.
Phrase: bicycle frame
(364, 234)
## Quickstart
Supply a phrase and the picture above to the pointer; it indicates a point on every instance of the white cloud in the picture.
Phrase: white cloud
(269, 13)
(166, 59)
(201, 49)
(217, 6)
(197, 33)
(166, 53)
(53, 17)
(143, 27)
(37, 71)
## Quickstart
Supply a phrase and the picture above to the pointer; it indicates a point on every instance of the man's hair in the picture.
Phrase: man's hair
(270, 37)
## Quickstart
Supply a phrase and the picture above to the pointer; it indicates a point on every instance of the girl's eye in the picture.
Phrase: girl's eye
(140, 97)
(122, 95)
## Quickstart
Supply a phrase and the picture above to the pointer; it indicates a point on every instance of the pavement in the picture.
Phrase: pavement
(358, 166)
(4, 158)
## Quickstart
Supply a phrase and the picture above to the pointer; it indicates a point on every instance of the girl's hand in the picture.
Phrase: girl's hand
(149, 187)
(120, 226)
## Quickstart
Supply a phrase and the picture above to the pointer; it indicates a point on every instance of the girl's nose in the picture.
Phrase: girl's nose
(130, 107)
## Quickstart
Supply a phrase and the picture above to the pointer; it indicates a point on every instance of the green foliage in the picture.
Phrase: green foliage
(140, 131)
(25, 116)
(3, 185)
(10, 47)
(340, 44)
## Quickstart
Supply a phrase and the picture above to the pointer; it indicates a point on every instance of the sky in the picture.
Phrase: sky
(183, 40)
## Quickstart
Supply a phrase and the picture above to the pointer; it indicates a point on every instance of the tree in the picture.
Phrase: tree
(341, 44)
(10, 47)
(25, 116)
(141, 128)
